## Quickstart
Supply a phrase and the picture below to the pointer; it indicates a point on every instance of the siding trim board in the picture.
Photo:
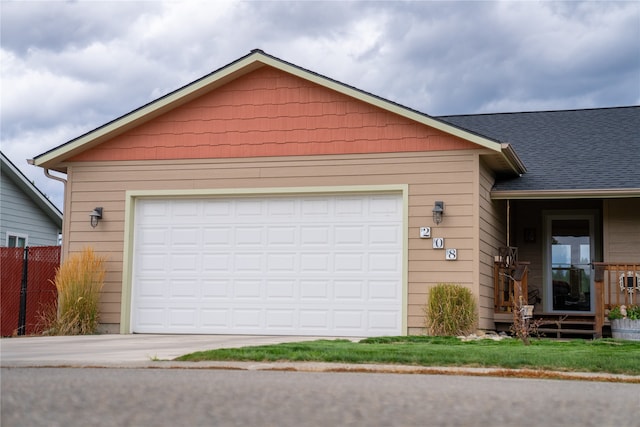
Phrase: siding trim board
(132, 196)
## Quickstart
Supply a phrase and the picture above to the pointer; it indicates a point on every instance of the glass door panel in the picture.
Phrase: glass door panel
(571, 255)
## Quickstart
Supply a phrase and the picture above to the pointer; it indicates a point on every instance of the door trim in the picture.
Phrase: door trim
(595, 243)
(132, 196)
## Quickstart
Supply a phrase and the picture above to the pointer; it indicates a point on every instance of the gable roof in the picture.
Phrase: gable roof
(503, 158)
(572, 153)
(21, 181)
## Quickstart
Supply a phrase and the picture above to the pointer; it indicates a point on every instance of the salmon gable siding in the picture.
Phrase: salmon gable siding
(269, 129)
(271, 113)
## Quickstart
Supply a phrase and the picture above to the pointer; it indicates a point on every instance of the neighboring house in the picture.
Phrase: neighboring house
(27, 217)
(267, 199)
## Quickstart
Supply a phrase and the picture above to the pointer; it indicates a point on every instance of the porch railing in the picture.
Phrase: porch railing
(615, 284)
(510, 283)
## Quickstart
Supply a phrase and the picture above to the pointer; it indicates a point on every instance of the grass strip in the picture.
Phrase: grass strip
(603, 355)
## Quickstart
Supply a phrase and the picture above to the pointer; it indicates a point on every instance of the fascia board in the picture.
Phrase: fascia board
(613, 193)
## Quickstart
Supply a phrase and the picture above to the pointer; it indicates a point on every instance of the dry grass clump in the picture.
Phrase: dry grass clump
(78, 281)
(450, 310)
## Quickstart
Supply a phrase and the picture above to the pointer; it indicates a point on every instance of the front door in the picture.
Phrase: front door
(570, 250)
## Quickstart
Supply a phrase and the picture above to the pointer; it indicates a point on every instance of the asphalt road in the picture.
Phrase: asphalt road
(214, 397)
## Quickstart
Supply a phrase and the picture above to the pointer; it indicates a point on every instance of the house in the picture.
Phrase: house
(27, 217)
(264, 198)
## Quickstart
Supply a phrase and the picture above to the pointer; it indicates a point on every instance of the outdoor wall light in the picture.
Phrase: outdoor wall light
(95, 216)
(438, 210)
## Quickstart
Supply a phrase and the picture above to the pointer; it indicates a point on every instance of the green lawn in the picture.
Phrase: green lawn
(604, 355)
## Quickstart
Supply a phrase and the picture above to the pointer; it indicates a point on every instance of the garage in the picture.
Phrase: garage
(317, 264)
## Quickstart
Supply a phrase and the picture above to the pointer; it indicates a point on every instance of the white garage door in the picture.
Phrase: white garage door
(294, 265)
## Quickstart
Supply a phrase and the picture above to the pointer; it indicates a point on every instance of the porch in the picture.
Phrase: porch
(614, 284)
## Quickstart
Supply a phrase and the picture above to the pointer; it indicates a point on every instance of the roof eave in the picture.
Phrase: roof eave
(600, 193)
(31, 191)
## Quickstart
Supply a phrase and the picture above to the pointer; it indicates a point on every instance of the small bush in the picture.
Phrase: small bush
(450, 310)
(625, 312)
(79, 281)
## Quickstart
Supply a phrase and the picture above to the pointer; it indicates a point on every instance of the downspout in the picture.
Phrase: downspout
(47, 174)
(64, 191)
(57, 178)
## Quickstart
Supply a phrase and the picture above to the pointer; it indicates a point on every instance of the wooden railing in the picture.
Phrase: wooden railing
(510, 283)
(616, 284)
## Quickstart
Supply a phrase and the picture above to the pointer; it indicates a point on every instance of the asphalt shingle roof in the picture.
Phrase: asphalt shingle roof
(595, 149)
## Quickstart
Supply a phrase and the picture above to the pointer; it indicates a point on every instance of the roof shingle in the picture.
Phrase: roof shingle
(594, 149)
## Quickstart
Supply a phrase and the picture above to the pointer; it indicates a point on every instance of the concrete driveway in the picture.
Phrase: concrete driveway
(105, 350)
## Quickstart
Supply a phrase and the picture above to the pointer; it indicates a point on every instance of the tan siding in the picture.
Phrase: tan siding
(431, 176)
(622, 230)
(492, 235)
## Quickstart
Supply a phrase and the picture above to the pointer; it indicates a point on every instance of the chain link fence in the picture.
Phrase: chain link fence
(26, 288)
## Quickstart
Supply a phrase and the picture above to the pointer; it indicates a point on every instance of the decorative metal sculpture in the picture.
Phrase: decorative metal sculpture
(630, 282)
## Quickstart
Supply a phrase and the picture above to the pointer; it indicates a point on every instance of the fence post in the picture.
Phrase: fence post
(22, 315)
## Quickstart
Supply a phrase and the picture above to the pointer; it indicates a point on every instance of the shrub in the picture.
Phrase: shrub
(631, 312)
(79, 281)
(450, 310)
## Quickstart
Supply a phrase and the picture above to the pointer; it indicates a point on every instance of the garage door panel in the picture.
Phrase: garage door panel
(152, 287)
(390, 262)
(182, 317)
(216, 319)
(249, 208)
(216, 288)
(184, 289)
(282, 236)
(282, 289)
(249, 235)
(321, 265)
(385, 235)
(247, 318)
(281, 319)
(216, 262)
(279, 263)
(181, 263)
(314, 319)
(348, 320)
(349, 290)
(385, 321)
(150, 317)
(385, 290)
(313, 236)
(247, 262)
(150, 263)
(350, 235)
(247, 289)
(214, 237)
(314, 290)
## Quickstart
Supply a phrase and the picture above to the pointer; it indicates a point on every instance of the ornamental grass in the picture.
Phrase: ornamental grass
(450, 310)
(78, 281)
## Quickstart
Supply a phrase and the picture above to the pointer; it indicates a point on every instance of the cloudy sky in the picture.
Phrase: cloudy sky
(69, 67)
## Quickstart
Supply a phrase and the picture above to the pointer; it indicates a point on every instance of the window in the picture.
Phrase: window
(15, 240)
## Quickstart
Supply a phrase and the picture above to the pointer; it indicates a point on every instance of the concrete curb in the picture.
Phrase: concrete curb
(339, 367)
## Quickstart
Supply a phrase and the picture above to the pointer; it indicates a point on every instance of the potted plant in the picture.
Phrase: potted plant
(625, 322)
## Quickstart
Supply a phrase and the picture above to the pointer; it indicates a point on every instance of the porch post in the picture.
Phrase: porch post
(599, 300)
